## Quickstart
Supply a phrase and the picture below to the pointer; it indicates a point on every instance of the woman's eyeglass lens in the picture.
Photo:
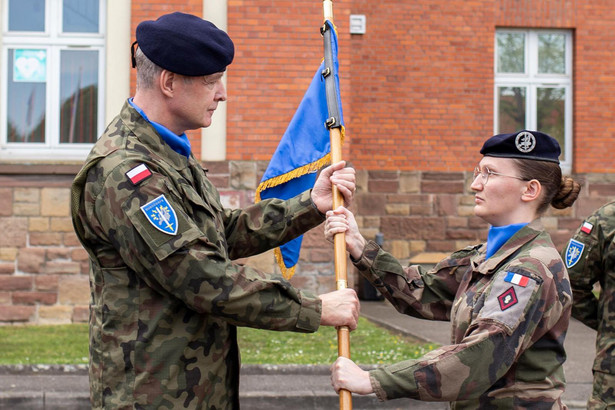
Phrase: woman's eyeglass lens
(486, 173)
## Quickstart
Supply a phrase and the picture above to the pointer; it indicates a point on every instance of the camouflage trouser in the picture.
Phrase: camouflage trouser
(603, 394)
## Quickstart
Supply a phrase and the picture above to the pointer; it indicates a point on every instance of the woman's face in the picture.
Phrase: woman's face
(498, 201)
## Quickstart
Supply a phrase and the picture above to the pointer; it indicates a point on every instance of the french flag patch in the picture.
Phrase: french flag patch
(587, 227)
(138, 174)
(516, 279)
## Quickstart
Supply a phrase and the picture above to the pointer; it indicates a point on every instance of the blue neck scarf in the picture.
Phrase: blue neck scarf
(178, 143)
(498, 235)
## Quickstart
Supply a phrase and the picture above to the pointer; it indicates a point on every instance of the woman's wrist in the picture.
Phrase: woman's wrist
(357, 249)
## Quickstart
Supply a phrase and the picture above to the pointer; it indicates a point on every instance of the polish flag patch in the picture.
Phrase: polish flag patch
(138, 174)
(516, 279)
(587, 227)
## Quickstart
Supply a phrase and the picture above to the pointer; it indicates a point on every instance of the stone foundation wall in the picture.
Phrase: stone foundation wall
(422, 216)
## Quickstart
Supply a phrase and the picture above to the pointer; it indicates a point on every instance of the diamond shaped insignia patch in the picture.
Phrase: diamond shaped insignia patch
(508, 298)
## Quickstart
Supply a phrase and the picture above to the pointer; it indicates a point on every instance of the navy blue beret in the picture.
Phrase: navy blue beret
(523, 144)
(185, 44)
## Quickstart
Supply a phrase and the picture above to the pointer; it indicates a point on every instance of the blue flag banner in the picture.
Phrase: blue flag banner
(304, 148)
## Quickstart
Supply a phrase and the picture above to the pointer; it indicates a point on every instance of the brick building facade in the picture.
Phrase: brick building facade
(418, 96)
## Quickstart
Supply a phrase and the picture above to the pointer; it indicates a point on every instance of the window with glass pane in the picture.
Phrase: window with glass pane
(27, 90)
(26, 15)
(511, 103)
(551, 112)
(552, 53)
(511, 52)
(51, 91)
(533, 84)
(80, 16)
(78, 96)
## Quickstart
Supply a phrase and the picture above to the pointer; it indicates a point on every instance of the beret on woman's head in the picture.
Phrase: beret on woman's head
(185, 44)
(524, 144)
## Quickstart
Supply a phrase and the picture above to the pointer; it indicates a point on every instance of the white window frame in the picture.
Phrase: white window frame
(531, 80)
(51, 149)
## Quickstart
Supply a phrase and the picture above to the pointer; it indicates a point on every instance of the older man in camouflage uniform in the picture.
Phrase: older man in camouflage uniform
(165, 296)
(590, 259)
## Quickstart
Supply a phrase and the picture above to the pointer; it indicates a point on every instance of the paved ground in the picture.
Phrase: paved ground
(284, 387)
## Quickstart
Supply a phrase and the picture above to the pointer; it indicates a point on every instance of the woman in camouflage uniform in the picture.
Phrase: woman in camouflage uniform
(508, 300)
(590, 259)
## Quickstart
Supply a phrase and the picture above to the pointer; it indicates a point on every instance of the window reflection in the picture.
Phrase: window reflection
(551, 54)
(26, 15)
(78, 96)
(511, 52)
(511, 105)
(551, 113)
(26, 102)
(80, 16)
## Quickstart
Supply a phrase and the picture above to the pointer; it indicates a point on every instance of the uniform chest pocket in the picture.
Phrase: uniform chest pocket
(195, 201)
(467, 306)
(204, 211)
(163, 234)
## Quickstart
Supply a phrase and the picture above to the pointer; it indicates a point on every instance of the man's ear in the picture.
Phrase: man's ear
(531, 191)
(166, 82)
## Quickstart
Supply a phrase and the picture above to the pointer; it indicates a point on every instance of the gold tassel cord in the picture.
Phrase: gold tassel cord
(295, 173)
(286, 272)
(279, 180)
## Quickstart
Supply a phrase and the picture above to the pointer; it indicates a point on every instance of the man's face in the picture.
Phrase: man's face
(196, 100)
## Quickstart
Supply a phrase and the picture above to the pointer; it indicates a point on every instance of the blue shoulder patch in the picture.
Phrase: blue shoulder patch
(161, 214)
(574, 252)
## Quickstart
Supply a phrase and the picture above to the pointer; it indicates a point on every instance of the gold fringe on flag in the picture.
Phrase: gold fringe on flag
(286, 272)
(281, 179)
(295, 173)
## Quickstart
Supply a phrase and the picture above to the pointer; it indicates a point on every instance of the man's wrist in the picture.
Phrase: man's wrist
(316, 207)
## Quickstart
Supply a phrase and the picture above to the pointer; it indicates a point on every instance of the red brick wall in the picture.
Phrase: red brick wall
(417, 88)
(594, 87)
(278, 48)
(422, 84)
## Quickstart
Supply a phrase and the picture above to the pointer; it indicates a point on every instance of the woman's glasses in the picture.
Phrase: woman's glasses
(486, 173)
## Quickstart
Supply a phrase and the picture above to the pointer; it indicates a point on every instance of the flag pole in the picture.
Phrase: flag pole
(339, 241)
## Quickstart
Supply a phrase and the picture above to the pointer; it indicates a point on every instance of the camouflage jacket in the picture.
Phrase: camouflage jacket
(590, 259)
(165, 296)
(509, 316)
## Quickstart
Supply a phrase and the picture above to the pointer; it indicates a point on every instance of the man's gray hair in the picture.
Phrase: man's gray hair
(147, 71)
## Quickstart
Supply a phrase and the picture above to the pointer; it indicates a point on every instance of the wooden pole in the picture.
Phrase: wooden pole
(339, 246)
(339, 240)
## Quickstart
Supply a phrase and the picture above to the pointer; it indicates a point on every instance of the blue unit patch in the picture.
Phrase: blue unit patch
(574, 252)
(161, 214)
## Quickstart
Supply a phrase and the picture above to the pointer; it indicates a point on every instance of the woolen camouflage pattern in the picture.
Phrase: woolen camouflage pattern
(164, 308)
(596, 264)
(509, 316)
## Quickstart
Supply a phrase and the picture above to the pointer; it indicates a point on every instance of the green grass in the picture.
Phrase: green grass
(369, 344)
(57, 344)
